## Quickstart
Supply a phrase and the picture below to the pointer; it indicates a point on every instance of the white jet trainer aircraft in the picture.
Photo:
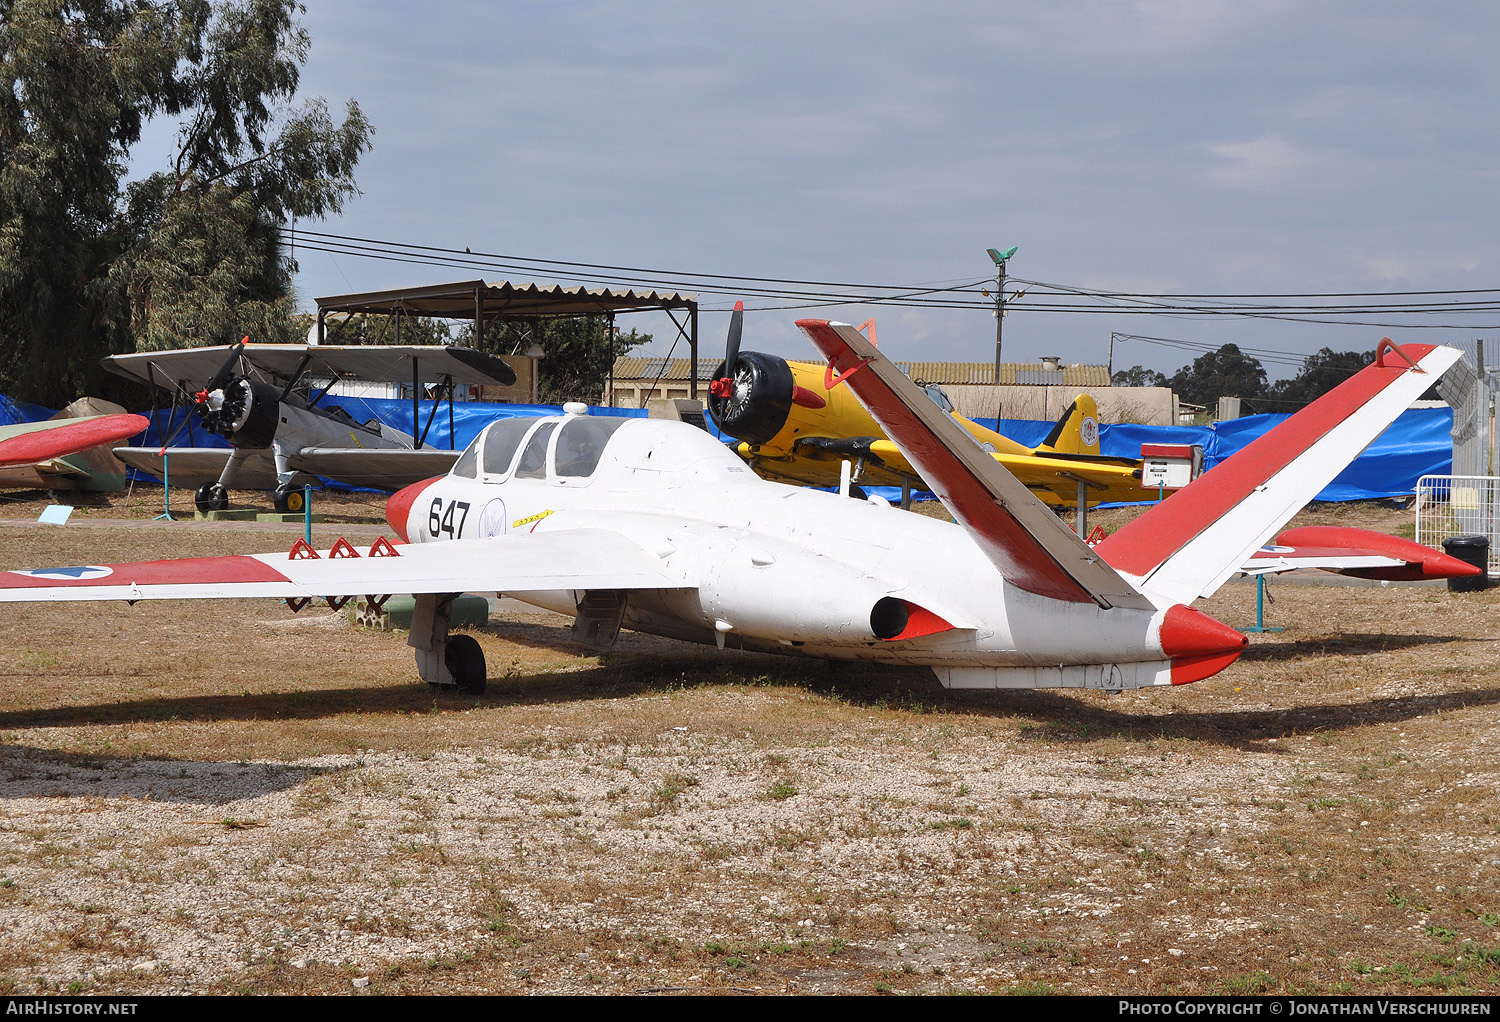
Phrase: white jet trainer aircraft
(656, 526)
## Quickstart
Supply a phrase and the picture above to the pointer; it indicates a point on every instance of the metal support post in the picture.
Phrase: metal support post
(999, 331)
(693, 354)
(1260, 608)
(166, 491)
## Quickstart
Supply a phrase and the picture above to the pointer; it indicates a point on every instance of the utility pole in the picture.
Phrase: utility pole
(999, 259)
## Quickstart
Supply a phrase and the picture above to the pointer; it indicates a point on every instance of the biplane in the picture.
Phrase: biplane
(283, 428)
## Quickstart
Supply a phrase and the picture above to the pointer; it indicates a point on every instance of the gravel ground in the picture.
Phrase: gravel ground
(233, 799)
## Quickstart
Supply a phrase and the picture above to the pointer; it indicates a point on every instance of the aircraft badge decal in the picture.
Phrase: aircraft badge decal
(82, 571)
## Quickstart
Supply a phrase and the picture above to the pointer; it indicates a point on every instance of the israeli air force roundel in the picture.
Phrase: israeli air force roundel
(1088, 432)
(79, 573)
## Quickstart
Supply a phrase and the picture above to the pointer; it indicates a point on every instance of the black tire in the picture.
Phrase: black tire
(289, 501)
(858, 492)
(465, 660)
(211, 497)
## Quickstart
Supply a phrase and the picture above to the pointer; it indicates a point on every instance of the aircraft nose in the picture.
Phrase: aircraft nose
(1197, 645)
(398, 507)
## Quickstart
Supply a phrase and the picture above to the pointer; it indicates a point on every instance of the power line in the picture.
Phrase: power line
(787, 294)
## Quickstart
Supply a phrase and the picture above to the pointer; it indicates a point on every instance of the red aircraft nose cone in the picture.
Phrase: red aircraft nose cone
(398, 507)
(1197, 645)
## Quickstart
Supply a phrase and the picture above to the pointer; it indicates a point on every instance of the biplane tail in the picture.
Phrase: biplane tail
(1192, 542)
(1076, 430)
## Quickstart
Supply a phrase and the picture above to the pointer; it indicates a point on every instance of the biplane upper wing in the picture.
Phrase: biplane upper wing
(190, 367)
(378, 468)
(560, 560)
(1028, 543)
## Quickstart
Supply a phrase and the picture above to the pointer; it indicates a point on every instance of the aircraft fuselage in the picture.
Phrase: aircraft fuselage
(775, 568)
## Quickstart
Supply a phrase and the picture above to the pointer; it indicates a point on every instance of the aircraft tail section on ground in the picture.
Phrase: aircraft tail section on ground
(1032, 548)
(1076, 430)
(1189, 544)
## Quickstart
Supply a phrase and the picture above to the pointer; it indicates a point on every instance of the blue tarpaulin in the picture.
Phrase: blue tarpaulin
(469, 418)
(13, 413)
(1415, 445)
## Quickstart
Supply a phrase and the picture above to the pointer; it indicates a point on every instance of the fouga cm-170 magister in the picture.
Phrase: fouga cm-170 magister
(655, 526)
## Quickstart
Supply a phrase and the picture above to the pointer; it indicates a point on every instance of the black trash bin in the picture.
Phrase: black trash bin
(1473, 550)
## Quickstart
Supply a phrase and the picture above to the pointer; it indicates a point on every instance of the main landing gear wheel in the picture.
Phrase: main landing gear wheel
(465, 660)
(289, 501)
(211, 497)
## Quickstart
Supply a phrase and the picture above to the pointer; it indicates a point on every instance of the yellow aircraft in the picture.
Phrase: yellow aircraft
(796, 423)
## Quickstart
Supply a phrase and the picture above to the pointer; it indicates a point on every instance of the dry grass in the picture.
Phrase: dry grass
(229, 798)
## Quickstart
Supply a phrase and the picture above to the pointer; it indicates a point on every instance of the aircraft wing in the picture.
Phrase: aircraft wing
(1032, 548)
(194, 466)
(1359, 553)
(385, 468)
(1057, 474)
(32, 443)
(192, 367)
(521, 562)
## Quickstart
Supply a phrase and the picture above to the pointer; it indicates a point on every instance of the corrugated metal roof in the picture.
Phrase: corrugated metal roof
(1029, 373)
(506, 299)
(630, 367)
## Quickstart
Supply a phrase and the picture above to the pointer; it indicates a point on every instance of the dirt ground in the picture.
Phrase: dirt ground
(226, 797)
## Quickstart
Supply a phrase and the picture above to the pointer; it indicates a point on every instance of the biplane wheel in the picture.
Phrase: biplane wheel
(465, 660)
(289, 502)
(211, 497)
(858, 493)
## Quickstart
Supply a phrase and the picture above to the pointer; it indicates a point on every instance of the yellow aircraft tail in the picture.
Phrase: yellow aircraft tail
(1077, 431)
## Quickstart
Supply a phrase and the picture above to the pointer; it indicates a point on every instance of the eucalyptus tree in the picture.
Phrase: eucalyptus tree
(191, 254)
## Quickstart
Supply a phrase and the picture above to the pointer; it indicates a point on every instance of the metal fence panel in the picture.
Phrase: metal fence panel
(1458, 506)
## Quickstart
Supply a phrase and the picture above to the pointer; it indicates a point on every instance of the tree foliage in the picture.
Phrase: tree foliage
(579, 354)
(1321, 371)
(192, 253)
(1138, 376)
(1227, 372)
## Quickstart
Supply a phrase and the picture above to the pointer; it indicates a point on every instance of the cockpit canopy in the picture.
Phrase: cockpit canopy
(575, 455)
(570, 451)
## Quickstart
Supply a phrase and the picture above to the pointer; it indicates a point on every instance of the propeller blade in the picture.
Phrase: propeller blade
(724, 385)
(732, 346)
(226, 370)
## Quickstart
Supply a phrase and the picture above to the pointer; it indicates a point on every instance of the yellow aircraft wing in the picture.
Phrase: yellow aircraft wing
(804, 439)
(1055, 478)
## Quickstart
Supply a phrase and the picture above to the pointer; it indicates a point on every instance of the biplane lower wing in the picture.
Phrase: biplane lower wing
(378, 468)
(562, 560)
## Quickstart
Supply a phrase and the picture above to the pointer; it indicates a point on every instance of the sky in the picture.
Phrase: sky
(1199, 147)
